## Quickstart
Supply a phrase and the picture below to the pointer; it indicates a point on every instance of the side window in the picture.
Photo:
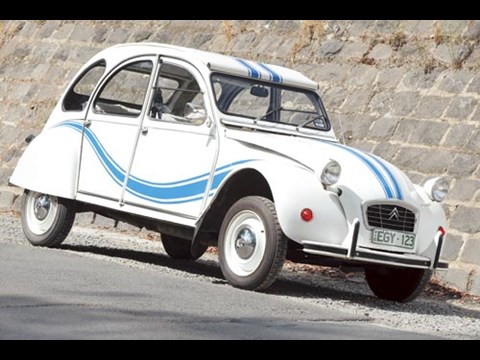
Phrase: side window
(125, 91)
(177, 95)
(79, 94)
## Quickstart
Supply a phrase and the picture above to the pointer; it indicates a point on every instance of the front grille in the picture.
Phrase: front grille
(386, 217)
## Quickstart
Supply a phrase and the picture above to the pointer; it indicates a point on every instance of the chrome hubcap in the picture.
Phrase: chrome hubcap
(41, 206)
(246, 242)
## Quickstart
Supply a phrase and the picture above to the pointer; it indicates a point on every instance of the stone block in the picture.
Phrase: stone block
(471, 251)
(466, 219)
(454, 81)
(334, 97)
(103, 222)
(464, 165)
(332, 73)
(330, 48)
(431, 107)
(46, 29)
(386, 150)
(385, 26)
(122, 226)
(434, 161)
(464, 190)
(451, 247)
(119, 36)
(382, 103)
(390, 78)
(381, 52)
(361, 75)
(428, 132)
(383, 128)
(474, 141)
(459, 135)
(353, 50)
(84, 219)
(82, 33)
(457, 278)
(462, 107)
(6, 199)
(359, 27)
(475, 284)
(404, 102)
(63, 32)
(357, 101)
(355, 127)
(417, 79)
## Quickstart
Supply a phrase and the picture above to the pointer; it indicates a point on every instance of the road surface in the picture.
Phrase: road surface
(86, 291)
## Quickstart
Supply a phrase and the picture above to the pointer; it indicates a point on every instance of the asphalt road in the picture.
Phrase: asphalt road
(62, 294)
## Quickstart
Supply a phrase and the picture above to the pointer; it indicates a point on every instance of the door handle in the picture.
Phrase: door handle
(144, 131)
(87, 123)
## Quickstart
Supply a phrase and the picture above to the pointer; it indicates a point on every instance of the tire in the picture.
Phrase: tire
(397, 284)
(178, 248)
(252, 247)
(46, 220)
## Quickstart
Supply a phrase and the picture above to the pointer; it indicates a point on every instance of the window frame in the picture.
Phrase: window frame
(307, 92)
(113, 73)
(80, 78)
(185, 66)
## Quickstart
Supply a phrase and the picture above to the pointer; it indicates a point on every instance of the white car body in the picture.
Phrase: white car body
(173, 172)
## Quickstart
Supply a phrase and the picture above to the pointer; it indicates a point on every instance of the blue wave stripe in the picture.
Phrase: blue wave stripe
(386, 187)
(188, 190)
(392, 177)
(274, 76)
(252, 72)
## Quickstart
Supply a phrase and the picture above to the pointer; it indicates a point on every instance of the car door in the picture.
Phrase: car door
(177, 146)
(111, 131)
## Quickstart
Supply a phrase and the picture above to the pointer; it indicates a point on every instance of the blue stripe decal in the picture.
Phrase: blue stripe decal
(274, 76)
(177, 192)
(383, 182)
(394, 181)
(252, 72)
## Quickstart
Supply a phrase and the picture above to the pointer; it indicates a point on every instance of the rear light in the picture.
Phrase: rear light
(306, 214)
(442, 231)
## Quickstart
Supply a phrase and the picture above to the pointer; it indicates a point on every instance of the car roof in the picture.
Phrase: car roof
(225, 64)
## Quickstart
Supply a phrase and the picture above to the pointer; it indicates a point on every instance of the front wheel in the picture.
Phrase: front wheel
(397, 284)
(252, 247)
(46, 220)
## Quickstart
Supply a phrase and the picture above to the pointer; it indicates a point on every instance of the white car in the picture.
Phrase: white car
(208, 149)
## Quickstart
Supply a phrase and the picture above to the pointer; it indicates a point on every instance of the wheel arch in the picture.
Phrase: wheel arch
(245, 182)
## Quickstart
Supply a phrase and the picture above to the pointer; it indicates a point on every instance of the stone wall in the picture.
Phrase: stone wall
(405, 90)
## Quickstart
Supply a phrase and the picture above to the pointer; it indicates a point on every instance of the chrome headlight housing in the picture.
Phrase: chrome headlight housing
(331, 173)
(437, 188)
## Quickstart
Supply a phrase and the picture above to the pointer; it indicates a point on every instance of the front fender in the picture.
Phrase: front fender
(50, 163)
(295, 188)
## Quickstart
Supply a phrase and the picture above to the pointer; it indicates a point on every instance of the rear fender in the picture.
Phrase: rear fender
(50, 163)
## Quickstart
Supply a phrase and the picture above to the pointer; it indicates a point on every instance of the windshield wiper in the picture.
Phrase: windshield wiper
(267, 114)
(309, 121)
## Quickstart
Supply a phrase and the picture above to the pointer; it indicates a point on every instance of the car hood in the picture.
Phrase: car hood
(363, 174)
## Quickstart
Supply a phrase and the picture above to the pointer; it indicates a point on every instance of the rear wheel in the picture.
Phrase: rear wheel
(46, 220)
(178, 248)
(252, 247)
(397, 284)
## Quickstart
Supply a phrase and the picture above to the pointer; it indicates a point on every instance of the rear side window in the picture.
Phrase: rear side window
(79, 94)
(124, 93)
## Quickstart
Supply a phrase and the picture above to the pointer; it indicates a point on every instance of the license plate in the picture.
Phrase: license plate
(393, 238)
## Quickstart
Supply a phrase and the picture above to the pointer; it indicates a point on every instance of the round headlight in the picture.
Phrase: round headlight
(437, 189)
(331, 173)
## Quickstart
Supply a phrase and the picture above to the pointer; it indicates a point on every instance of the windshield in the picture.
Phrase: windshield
(265, 102)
